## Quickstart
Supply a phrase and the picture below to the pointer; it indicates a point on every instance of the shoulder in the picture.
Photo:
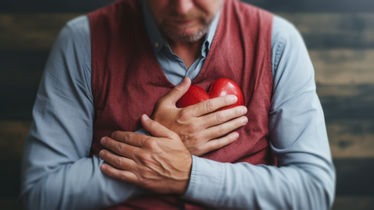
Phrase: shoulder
(286, 42)
(283, 30)
(76, 29)
(71, 52)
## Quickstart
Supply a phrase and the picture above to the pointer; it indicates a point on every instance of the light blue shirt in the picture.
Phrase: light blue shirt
(58, 173)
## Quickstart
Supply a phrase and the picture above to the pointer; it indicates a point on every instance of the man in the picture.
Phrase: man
(120, 63)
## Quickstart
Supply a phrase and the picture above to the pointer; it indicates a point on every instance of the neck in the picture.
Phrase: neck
(187, 51)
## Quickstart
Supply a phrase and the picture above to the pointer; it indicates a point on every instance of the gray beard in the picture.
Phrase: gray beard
(188, 38)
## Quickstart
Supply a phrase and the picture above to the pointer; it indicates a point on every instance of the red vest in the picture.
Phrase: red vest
(127, 79)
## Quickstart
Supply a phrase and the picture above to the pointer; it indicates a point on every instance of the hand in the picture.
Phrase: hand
(160, 163)
(201, 128)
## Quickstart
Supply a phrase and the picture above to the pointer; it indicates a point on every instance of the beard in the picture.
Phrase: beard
(179, 34)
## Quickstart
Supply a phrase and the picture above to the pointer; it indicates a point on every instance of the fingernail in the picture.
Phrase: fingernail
(102, 140)
(145, 117)
(232, 98)
(244, 119)
(102, 167)
(243, 110)
(101, 153)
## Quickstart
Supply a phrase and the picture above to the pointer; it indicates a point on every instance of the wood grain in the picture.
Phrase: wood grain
(31, 32)
(285, 5)
(353, 203)
(37, 31)
(51, 6)
(12, 138)
(343, 67)
(334, 30)
(351, 138)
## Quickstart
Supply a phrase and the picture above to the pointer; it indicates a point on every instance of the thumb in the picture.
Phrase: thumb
(155, 128)
(178, 91)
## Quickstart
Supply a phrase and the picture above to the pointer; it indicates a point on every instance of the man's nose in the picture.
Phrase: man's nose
(184, 6)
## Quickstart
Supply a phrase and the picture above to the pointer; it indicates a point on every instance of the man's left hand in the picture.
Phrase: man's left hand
(160, 162)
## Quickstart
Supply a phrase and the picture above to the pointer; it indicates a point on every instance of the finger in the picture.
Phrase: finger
(225, 128)
(215, 144)
(178, 91)
(123, 175)
(156, 129)
(211, 105)
(220, 117)
(119, 148)
(117, 161)
(131, 138)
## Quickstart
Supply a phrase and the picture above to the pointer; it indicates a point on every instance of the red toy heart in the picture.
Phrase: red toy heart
(219, 87)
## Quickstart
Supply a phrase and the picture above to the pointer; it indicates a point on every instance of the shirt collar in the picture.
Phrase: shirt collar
(158, 41)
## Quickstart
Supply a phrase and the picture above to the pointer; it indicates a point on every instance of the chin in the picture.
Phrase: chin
(187, 35)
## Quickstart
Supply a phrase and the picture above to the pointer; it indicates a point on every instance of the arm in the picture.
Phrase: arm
(57, 172)
(305, 178)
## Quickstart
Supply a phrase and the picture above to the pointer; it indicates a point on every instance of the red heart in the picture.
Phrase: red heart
(219, 87)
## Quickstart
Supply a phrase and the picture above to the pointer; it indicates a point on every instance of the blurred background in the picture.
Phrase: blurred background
(340, 38)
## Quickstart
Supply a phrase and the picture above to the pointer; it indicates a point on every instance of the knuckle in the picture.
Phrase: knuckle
(150, 143)
(219, 116)
(184, 114)
(209, 105)
(144, 158)
(119, 147)
(119, 162)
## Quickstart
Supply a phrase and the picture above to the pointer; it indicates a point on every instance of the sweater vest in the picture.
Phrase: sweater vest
(127, 80)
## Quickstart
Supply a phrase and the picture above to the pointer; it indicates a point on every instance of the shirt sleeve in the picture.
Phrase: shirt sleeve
(57, 171)
(305, 177)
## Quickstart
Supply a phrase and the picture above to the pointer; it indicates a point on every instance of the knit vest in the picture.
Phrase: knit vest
(127, 80)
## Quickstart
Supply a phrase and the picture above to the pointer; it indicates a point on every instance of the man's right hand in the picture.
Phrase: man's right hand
(201, 127)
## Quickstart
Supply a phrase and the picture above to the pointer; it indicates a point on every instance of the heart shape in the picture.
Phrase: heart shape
(220, 87)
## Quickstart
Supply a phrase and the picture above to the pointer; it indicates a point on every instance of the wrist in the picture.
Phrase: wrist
(182, 184)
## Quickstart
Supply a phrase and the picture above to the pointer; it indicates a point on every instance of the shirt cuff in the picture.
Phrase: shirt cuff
(206, 181)
(143, 131)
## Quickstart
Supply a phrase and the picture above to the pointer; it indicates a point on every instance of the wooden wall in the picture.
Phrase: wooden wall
(338, 33)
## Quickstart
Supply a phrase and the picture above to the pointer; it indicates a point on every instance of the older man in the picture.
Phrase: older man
(121, 63)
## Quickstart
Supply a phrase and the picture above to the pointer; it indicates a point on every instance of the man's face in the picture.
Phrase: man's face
(184, 20)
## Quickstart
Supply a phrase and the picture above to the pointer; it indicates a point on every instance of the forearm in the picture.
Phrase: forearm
(246, 186)
(57, 171)
(77, 185)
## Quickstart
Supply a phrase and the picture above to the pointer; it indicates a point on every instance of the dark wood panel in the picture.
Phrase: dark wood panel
(31, 31)
(348, 138)
(354, 177)
(354, 203)
(343, 66)
(318, 6)
(35, 31)
(12, 138)
(334, 30)
(284, 6)
(51, 6)
(333, 67)
(10, 204)
(17, 101)
(341, 203)
(351, 138)
(21, 69)
(349, 107)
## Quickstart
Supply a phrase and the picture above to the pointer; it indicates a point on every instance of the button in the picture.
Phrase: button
(157, 44)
